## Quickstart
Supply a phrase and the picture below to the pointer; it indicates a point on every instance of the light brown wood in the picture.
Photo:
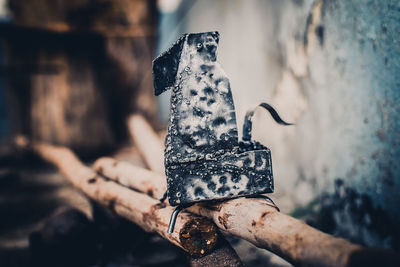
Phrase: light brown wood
(151, 183)
(265, 227)
(195, 235)
(148, 143)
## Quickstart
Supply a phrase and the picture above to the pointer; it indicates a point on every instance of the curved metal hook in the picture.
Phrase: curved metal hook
(174, 216)
(164, 197)
(266, 198)
(172, 221)
(248, 123)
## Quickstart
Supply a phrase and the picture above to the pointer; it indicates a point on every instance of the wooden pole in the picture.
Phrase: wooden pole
(291, 239)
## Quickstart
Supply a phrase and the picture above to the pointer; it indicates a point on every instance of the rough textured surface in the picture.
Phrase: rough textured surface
(224, 256)
(199, 236)
(331, 67)
(203, 157)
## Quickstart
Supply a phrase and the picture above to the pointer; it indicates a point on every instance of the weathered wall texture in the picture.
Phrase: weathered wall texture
(333, 68)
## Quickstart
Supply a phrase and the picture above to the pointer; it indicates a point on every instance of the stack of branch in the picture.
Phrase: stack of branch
(111, 183)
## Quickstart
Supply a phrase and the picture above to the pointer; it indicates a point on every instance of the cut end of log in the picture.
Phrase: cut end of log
(222, 255)
(198, 237)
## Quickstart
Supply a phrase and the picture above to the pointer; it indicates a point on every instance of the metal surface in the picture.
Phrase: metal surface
(204, 159)
(248, 120)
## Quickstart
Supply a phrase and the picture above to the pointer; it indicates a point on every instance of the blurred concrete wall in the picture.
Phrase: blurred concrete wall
(332, 67)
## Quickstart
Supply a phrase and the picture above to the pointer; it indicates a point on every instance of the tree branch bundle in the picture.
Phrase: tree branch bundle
(250, 219)
(262, 225)
(139, 208)
(253, 220)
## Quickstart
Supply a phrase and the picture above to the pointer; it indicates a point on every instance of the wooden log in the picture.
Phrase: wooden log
(222, 255)
(194, 234)
(148, 143)
(151, 183)
(291, 239)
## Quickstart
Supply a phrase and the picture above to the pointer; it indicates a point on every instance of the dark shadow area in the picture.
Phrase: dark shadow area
(351, 215)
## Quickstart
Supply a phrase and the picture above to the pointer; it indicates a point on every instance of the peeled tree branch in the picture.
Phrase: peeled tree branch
(265, 227)
(126, 174)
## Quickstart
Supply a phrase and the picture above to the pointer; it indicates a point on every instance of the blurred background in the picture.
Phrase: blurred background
(72, 71)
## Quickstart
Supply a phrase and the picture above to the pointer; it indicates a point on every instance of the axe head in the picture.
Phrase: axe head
(204, 159)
